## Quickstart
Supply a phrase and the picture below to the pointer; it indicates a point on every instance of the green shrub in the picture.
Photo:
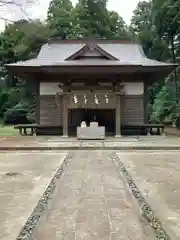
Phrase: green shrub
(16, 116)
(23, 112)
(31, 117)
(3, 101)
(15, 96)
(164, 105)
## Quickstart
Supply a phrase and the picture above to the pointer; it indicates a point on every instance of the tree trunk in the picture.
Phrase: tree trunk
(175, 73)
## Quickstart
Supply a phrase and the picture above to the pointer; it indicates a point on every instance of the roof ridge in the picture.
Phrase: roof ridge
(85, 41)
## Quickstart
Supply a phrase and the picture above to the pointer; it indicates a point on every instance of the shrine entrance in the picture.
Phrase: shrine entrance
(104, 117)
(90, 105)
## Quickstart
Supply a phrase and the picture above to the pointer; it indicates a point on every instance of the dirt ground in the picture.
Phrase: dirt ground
(23, 180)
(157, 175)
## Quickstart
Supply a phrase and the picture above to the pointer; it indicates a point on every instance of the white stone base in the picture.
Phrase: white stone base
(92, 132)
(118, 136)
(65, 136)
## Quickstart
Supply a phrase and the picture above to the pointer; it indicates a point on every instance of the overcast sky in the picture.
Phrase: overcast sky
(124, 8)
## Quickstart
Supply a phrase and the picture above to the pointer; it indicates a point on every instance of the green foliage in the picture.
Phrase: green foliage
(3, 100)
(15, 95)
(31, 117)
(145, 31)
(60, 18)
(164, 105)
(22, 112)
(156, 25)
(89, 19)
(118, 28)
(22, 40)
(15, 116)
(10, 98)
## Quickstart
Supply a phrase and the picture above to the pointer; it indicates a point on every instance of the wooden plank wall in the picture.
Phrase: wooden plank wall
(50, 113)
(132, 109)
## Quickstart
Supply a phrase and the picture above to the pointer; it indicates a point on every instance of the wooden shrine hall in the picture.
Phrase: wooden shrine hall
(100, 83)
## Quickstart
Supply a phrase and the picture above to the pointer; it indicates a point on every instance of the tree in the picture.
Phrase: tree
(60, 18)
(145, 31)
(118, 27)
(154, 26)
(166, 17)
(91, 19)
(20, 41)
(164, 105)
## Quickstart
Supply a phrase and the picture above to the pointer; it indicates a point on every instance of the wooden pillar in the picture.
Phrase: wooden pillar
(145, 99)
(65, 115)
(118, 115)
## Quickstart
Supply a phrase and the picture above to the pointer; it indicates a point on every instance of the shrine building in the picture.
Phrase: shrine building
(101, 80)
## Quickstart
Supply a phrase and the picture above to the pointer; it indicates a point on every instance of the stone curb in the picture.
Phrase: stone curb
(29, 226)
(144, 206)
(45, 148)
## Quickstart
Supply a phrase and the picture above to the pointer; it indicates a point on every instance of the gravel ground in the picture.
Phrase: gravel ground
(26, 232)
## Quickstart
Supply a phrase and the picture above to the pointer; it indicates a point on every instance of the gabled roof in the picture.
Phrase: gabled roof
(65, 52)
(91, 48)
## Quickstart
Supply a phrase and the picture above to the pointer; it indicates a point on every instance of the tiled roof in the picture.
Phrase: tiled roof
(56, 54)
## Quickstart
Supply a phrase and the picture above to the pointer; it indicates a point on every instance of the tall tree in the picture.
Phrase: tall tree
(151, 27)
(60, 18)
(145, 31)
(20, 41)
(118, 27)
(91, 19)
(166, 17)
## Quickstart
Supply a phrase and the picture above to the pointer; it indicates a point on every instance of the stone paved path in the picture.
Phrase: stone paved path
(57, 143)
(91, 202)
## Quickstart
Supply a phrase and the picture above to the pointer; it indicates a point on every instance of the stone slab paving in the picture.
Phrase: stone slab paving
(91, 202)
(58, 143)
(157, 175)
(23, 180)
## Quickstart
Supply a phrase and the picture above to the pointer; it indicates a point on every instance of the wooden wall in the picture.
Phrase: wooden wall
(50, 113)
(132, 104)
(132, 109)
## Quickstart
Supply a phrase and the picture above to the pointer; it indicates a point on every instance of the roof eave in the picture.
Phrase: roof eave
(74, 64)
(154, 71)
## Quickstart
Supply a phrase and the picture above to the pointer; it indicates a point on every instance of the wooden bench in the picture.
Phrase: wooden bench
(159, 128)
(23, 129)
